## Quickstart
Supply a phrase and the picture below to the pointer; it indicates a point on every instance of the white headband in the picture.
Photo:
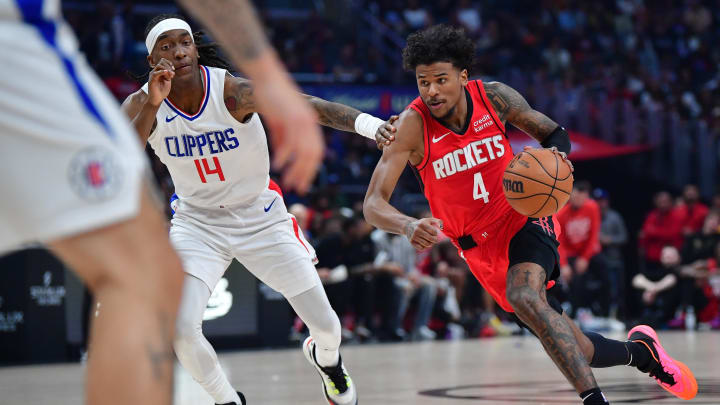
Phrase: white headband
(163, 27)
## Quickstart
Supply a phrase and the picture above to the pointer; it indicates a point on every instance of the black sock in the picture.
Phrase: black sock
(594, 397)
(608, 353)
(640, 355)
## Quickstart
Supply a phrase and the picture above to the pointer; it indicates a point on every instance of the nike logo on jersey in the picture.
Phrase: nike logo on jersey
(270, 206)
(168, 119)
(436, 140)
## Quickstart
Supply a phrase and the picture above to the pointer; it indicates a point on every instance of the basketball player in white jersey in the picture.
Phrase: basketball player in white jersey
(73, 179)
(202, 123)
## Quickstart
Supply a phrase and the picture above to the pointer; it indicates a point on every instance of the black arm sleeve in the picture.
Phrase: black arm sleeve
(559, 138)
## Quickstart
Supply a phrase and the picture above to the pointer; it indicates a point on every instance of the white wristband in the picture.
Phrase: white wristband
(367, 125)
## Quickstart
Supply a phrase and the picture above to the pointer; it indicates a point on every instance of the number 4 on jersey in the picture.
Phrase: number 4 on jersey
(205, 168)
(479, 191)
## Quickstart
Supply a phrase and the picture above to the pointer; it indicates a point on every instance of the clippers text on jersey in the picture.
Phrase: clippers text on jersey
(210, 142)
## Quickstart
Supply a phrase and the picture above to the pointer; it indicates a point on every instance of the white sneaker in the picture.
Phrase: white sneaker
(336, 383)
(423, 333)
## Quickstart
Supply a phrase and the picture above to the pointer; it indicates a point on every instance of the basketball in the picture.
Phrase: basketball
(537, 182)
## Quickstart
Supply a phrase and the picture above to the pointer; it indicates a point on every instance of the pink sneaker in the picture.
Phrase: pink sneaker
(674, 376)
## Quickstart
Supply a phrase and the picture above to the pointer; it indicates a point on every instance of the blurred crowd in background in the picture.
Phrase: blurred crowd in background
(659, 55)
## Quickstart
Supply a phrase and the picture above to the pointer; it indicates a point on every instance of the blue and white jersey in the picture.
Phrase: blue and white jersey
(62, 134)
(212, 158)
(30, 10)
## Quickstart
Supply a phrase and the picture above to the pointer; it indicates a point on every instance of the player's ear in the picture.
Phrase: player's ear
(150, 62)
(464, 77)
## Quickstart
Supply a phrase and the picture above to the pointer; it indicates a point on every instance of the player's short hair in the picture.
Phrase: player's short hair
(439, 43)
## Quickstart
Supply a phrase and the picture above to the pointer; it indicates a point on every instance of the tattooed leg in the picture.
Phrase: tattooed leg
(526, 293)
(159, 352)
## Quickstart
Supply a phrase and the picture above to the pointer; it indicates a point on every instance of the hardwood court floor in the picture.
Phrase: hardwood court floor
(487, 371)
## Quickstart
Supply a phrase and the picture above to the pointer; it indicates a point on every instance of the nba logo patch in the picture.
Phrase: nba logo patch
(95, 174)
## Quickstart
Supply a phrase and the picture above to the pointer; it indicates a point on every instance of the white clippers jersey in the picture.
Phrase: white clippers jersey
(213, 159)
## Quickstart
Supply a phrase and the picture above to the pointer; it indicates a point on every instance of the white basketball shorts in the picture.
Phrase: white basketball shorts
(69, 161)
(261, 235)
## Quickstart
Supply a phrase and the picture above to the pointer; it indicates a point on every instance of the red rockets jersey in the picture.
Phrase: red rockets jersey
(462, 173)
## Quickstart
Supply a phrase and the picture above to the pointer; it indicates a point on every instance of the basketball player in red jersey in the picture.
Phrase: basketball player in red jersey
(454, 136)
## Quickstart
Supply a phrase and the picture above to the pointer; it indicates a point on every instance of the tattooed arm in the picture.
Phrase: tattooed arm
(334, 115)
(513, 108)
(240, 101)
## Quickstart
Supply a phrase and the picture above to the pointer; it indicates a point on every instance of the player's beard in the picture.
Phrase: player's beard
(448, 114)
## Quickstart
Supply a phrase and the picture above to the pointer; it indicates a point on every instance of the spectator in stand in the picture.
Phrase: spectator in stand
(613, 236)
(450, 271)
(697, 16)
(662, 227)
(331, 251)
(396, 250)
(557, 58)
(715, 203)
(691, 211)
(701, 245)
(579, 245)
(416, 17)
(375, 288)
(348, 70)
(467, 15)
(700, 253)
(656, 288)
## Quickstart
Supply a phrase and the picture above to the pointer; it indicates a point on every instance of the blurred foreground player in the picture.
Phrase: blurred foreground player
(75, 180)
(61, 133)
(454, 136)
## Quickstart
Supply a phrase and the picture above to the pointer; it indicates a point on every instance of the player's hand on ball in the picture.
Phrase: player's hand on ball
(385, 135)
(160, 81)
(562, 156)
(423, 233)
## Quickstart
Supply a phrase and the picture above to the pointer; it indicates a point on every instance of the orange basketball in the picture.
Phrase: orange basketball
(537, 183)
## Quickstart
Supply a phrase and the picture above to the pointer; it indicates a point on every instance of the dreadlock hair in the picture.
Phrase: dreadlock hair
(439, 43)
(209, 52)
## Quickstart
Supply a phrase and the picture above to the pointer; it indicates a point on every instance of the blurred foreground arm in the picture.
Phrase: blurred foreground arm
(236, 27)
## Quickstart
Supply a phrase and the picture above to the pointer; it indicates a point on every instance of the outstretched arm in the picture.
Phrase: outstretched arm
(335, 115)
(377, 209)
(240, 101)
(235, 25)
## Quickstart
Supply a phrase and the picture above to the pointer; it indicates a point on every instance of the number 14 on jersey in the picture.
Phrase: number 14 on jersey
(203, 168)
